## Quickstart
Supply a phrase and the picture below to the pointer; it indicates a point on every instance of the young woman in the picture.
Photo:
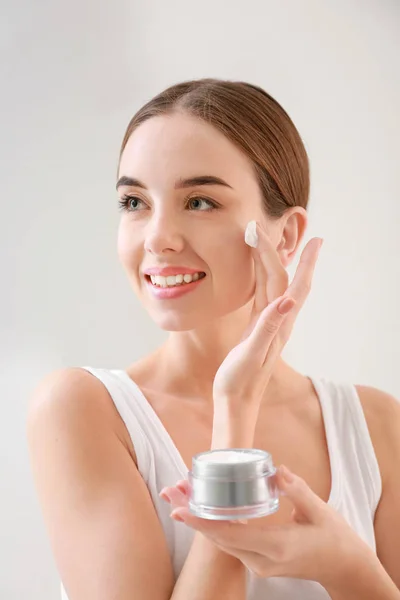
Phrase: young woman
(197, 164)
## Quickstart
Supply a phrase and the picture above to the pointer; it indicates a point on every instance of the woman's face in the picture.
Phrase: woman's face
(188, 195)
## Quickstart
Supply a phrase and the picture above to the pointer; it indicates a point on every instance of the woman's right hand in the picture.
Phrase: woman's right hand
(244, 374)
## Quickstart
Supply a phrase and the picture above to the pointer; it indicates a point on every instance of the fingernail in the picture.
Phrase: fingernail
(250, 235)
(177, 517)
(286, 305)
(164, 496)
(321, 241)
(287, 475)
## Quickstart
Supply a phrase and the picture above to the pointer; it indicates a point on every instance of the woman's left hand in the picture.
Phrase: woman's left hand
(317, 544)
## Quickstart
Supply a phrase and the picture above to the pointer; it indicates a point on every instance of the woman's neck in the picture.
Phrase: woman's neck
(187, 362)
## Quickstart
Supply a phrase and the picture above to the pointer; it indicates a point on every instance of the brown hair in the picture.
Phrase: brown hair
(254, 122)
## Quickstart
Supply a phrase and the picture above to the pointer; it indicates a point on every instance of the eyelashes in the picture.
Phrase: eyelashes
(126, 204)
(210, 203)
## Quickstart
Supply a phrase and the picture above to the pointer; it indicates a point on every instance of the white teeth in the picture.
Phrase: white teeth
(158, 280)
(173, 280)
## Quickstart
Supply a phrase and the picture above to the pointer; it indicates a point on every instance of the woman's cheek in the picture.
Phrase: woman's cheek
(239, 255)
(236, 264)
(127, 252)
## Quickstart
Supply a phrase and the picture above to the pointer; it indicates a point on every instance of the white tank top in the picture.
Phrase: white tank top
(356, 481)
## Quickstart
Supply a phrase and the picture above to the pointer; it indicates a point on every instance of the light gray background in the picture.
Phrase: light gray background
(72, 74)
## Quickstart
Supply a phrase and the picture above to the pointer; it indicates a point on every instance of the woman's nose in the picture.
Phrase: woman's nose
(163, 235)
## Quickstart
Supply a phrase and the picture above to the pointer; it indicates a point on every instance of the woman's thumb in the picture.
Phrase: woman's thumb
(308, 507)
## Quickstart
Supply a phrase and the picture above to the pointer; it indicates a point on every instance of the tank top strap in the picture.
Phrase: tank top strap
(349, 438)
(126, 402)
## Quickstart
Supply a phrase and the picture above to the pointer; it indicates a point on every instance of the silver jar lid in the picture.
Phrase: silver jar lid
(232, 464)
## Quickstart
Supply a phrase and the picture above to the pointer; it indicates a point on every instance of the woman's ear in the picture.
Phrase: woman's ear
(293, 225)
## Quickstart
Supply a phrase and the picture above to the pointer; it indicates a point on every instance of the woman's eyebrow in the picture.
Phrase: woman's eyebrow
(201, 180)
(181, 183)
(129, 181)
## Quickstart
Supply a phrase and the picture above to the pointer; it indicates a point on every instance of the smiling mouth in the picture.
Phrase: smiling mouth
(172, 281)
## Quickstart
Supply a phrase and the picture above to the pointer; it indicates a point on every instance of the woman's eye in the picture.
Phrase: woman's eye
(130, 203)
(198, 204)
(201, 204)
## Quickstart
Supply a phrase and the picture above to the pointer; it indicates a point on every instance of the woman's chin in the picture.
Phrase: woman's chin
(198, 318)
(179, 322)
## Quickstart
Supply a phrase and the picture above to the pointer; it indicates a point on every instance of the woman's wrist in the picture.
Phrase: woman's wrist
(234, 424)
(363, 577)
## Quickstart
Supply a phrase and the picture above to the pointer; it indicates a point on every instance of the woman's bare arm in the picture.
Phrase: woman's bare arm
(105, 534)
(210, 573)
(382, 413)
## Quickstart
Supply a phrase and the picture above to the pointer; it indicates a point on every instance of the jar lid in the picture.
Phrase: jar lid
(232, 464)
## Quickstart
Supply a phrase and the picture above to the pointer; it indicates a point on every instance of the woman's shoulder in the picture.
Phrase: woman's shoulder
(66, 387)
(381, 409)
(382, 414)
(73, 397)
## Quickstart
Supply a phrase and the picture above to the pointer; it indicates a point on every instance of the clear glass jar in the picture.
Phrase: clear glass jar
(234, 483)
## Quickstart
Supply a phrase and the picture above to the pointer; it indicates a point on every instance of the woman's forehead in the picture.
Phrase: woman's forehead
(181, 146)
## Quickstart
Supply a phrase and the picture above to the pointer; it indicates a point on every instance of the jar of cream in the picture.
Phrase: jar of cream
(234, 483)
